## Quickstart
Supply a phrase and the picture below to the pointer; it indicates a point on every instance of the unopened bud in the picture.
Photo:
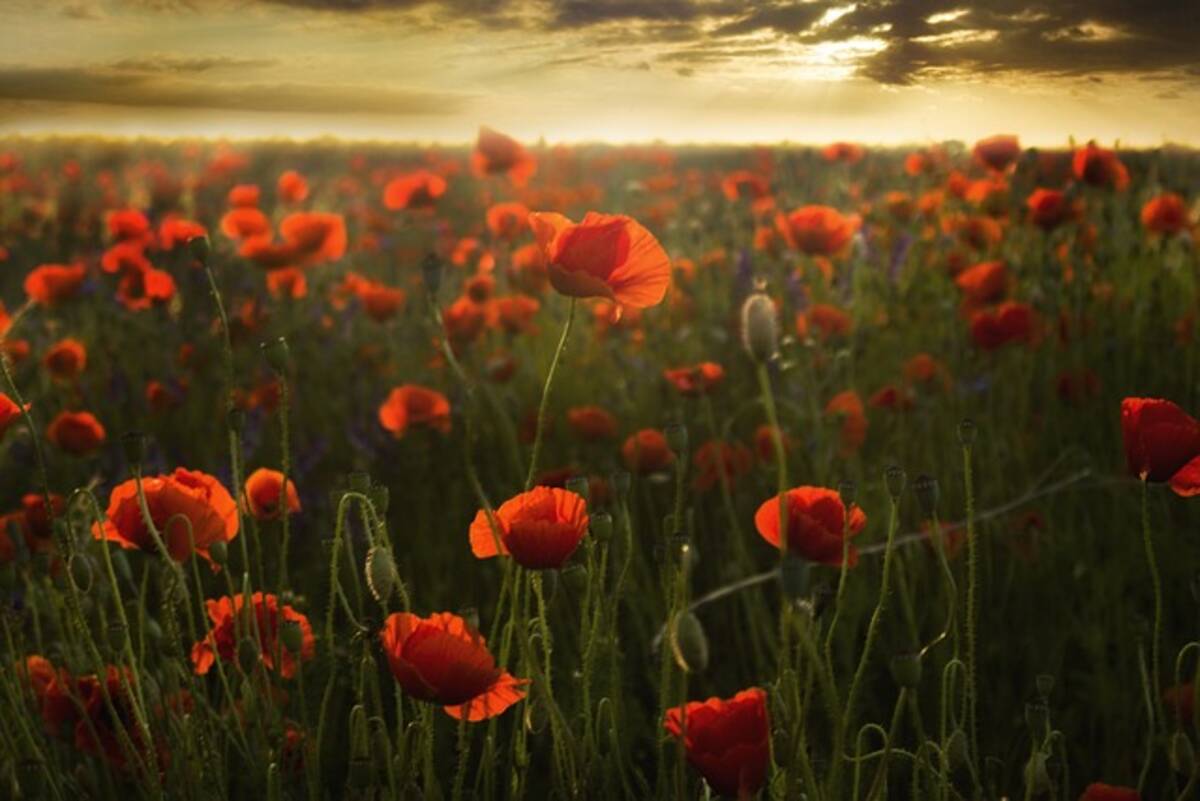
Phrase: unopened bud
(219, 552)
(927, 491)
(381, 573)
(760, 329)
(689, 643)
(600, 524)
(967, 432)
(292, 636)
(277, 354)
(133, 443)
(248, 654)
(81, 572)
(380, 497)
(359, 481)
(848, 491)
(431, 272)
(1037, 778)
(1183, 755)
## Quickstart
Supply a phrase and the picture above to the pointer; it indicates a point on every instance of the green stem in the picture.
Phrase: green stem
(545, 404)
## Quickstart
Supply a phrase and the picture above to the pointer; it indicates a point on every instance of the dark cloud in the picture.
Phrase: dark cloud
(785, 18)
(182, 65)
(117, 88)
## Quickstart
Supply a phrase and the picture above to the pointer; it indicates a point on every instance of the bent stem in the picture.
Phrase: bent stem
(545, 404)
(1156, 582)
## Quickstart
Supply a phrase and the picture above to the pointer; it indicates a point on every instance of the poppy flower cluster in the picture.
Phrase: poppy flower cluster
(266, 620)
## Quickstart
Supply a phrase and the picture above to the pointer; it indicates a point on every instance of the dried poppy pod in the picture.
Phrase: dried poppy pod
(760, 327)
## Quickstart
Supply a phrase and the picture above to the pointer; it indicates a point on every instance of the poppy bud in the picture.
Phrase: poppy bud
(235, 418)
(621, 481)
(199, 247)
(360, 741)
(927, 491)
(600, 524)
(219, 552)
(578, 485)
(1045, 685)
(689, 643)
(291, 636)
(1037, 718)
(1037, 779)
(794, 577)
(966, 432)
(677, 438)
(248, 654)
(277, 354)
(848, 490)
(1183, 756)
(81, 572)
(536, 715)
(134, 445)
(906, 670)
(894, 478)
(957, 749)
(153, 630)
(431, 272)
(381, 573)
(760, 330)
(274, 783)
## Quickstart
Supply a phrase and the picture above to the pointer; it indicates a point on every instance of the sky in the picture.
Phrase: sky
(802, 71)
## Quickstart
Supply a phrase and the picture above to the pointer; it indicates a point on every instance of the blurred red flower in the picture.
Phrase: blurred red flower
(727, 741)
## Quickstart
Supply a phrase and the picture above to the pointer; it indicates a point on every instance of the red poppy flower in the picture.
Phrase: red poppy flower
(464, 321)
(380, 301)
(699, 379)
(1008, 322)
(515, 313)
(496, 153)
(51, 284)
(412, 405)
(847, 409)
(244, 222)
(262, 494)
(444, 660)
(540, 528)
(743, 183)
(816, 519)
(1165, 214)
(289, 282)
(171, 499)
(829, 321)
(1049, 208)
(817, 230)
(96, 731)
(1098, 166)
(140, 289)
(647, 452)
(66, 359)
(604, 256)
(506, 220)
(222, 640)
(243, 196)
(984, 283)
(176, 231)
(416, 190)
(997, 153)
(292, 188)
(76, 433)
(715, 459)
(592, 423)
(316, 236)
(10, 412)
(845, 152)
(727, 741)
(890, 396)
(51, 688)
(128, 224)
(1162, 443)
(1108, 792)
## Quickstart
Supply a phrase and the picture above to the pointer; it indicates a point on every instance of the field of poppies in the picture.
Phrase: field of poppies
(531, 472)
